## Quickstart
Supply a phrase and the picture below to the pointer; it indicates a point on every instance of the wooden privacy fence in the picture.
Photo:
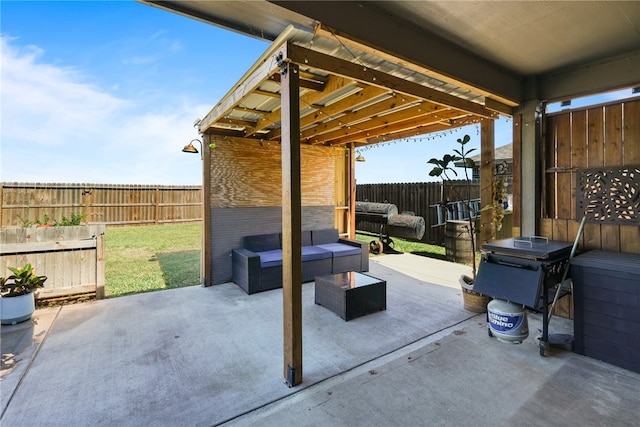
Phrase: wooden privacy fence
(110, 204)
(604, 142)
(418, 198)
(71, 257)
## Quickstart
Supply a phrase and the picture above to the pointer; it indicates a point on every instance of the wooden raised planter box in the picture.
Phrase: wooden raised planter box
(71, 257)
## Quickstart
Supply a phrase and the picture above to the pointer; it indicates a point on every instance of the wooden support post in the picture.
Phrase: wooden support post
(206, 266)
(352, 192)
(291, 224)
(530, 161)
(100, 264)
(516, 207)
(487, 175)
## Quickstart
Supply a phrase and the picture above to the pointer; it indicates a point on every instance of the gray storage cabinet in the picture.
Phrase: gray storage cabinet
(607, 307)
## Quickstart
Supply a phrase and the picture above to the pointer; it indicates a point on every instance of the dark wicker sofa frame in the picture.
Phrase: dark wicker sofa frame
(257, 266)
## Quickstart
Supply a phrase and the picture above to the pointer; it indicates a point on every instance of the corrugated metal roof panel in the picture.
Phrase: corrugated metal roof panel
(348, 103)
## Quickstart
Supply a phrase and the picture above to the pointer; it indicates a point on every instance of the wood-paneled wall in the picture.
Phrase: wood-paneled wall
(246, 194)
(249, 174)
(603, 135)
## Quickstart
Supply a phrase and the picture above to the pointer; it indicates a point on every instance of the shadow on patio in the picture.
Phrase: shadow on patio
(206, 356)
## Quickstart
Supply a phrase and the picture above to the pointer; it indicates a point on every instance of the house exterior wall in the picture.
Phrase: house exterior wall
(246, 193)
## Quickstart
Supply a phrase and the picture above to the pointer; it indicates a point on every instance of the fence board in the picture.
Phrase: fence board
(610, 235)
(613, 135)
(595, 140)
(579, 140)
(632, 133)
(100, 203)
(630, 239)
(18, 248)
(72, 258)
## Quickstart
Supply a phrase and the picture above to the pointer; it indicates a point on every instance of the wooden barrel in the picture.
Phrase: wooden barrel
(406, 226)
(457, 242)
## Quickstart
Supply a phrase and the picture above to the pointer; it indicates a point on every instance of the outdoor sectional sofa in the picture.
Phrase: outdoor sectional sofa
(257, 266)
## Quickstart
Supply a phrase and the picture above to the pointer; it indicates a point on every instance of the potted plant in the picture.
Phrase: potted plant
(443, 168)
(17, 299)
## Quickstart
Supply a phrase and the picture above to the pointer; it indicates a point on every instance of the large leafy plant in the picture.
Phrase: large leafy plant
(445, 169)
(21, 282)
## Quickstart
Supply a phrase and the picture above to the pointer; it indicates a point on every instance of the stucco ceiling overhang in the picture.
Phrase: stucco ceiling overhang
(508, 52)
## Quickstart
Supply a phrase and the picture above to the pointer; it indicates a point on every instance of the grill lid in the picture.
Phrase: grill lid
(535, 246)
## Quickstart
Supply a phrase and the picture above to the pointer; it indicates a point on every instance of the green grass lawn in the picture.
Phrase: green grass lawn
(155, 257)
(150, 258)
(402, 245)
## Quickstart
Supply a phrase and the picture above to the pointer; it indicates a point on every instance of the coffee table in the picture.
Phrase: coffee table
(351, 294)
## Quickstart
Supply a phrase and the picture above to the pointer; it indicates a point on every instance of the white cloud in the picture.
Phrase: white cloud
(50, 103)
(59, 127)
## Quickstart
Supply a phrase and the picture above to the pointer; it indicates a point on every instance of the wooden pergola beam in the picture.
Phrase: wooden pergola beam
(394, 102)
(332, 85)
(236, 122)
(383, 127)
(307, 81)
(366, 94)
(329, 64)
(250, 84)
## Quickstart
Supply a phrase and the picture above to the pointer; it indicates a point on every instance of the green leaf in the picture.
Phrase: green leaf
(465, 139)
(436, 171)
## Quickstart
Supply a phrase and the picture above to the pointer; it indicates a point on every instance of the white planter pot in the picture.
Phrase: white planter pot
(17, 309)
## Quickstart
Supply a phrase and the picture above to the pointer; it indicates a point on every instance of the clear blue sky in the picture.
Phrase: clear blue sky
(107, 92)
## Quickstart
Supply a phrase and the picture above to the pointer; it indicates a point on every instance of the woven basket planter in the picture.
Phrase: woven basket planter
(473, 301)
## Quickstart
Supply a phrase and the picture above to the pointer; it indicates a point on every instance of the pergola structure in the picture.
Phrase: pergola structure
(346, 96)
(320, 90)
(359, 73)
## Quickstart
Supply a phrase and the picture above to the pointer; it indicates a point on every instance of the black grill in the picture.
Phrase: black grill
(523, 270)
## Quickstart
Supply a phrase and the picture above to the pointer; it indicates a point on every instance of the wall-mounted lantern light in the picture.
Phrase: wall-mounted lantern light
(190, 148)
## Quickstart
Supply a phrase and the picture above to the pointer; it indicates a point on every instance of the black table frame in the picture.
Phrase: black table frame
(351, 294)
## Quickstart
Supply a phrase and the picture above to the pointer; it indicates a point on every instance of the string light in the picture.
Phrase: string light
(415, 139)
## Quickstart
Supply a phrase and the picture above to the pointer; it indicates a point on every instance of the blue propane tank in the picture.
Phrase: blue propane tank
(507, 321)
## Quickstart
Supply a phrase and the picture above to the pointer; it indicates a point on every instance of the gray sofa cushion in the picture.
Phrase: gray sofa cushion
(313, 253)
(270, 258)
(340, 249)
(321, 237)
(261, 243)
(306, 238)
(273, 258)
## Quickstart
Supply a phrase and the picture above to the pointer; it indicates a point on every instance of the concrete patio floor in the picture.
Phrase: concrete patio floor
(211, 356)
